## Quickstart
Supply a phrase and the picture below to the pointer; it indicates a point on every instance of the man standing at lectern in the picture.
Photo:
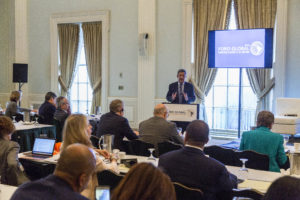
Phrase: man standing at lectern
(181, 92)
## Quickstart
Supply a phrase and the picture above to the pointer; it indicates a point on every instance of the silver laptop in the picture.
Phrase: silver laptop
(42, 148)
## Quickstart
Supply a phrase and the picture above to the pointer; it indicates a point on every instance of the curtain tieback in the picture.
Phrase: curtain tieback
(198, 91)
(97, 85)
(267, 89)
(62, 83)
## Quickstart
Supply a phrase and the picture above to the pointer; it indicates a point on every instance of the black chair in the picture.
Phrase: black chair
(95, 141)
(186, 193)
(247, 193)
(255, 160)
(165, 147)
(224, 155)
(140, 148)
(108, 177)
(36, 170)
(59, 128)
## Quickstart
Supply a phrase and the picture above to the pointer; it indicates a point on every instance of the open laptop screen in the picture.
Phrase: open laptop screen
(43, 146)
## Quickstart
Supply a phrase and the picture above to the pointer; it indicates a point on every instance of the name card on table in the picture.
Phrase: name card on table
(183, 112)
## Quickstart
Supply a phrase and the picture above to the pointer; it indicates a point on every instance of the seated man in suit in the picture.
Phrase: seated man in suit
(263, 141)
(62, 111)
(192, 168)
(67, 181)
(157, 129)
(47, 109)
(181, 91)
(115, 124)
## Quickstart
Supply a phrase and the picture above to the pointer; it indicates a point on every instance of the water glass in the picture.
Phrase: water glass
(14, 119)
(244, 160)
(151, 157)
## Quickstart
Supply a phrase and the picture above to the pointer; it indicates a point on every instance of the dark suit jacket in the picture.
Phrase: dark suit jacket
(157, 129)
(192, 168)
(188, 88)
(10, 170)
(46, 112)
(51, 187)
(111, 123)
(61, 116)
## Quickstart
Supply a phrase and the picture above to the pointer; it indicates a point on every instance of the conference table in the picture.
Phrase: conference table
(253, 179)
(26, 132)
(6, 191)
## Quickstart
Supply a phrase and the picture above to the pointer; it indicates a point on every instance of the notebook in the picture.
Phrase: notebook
(42, 148)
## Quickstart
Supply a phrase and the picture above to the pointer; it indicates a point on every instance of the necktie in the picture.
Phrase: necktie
(180, 93)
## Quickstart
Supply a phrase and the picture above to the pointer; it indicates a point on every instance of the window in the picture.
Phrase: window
(81, 93)
(222, 102)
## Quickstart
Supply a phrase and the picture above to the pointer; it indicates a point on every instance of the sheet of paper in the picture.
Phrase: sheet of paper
(261, 186)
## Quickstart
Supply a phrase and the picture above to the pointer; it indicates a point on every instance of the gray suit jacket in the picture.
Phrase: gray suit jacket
(10, 168)
(156, 130)
(13, 109)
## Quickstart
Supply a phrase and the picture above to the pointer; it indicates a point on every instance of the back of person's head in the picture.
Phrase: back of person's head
(76, 164)
(284, 188)
(144, 181)
(6, 126)
(75, 131)
(197, 133)
(50, 95)
(15, 96)
(60, 101)
(160, 110)
(181, 70)
(265, 118)
(116, 105)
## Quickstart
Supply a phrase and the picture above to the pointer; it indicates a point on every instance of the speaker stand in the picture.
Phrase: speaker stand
(20, 86)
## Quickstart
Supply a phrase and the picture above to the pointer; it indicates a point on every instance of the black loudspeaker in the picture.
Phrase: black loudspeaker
(20, 73)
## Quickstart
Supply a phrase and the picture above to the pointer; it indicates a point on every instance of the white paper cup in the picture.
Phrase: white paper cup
(122, 154)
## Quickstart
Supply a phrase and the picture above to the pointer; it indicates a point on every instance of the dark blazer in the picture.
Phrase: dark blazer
(46, 113)
(111, 123)
(263, 141)
(192, 168)
(188, 88)
(51, 187)
(61, 116)
(157, 129)
(10, 167)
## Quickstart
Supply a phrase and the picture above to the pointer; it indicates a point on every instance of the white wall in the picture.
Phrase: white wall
(169, 40)
(292, 78)
(6, 48)
(123, 41)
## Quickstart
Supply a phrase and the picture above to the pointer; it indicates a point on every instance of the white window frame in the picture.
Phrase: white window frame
(76, 17)
(281, 42)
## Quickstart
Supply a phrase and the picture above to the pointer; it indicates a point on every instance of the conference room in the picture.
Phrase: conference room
(94, 52)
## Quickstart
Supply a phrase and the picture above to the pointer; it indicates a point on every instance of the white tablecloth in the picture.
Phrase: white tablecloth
(20, 126)
(6, 191)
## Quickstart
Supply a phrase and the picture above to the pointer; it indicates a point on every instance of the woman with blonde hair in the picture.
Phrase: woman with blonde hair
(78, 130)
(143, 182)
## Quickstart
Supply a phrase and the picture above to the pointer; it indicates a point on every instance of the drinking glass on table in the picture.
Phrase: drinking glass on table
(151, 157)
(244, 160)
(14, 119)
